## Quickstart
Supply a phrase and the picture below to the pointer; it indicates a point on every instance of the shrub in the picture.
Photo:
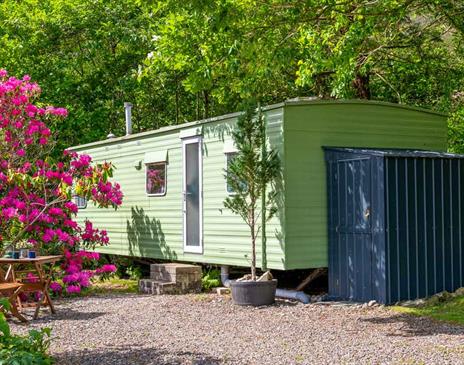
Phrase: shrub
(211, 279)
(30, 349)
(134, 272)
(36, 192)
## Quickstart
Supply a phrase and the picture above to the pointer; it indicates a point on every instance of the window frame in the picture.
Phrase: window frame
(165, 164)
(80, 207)
(226, 154)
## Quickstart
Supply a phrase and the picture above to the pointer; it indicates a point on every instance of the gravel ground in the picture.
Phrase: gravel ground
(209, 329)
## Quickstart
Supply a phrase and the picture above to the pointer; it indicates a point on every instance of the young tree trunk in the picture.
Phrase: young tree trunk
(263, 197)
(253, 259)
(253, 243)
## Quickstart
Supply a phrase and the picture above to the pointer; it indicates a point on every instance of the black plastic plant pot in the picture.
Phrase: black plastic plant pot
(255, 293)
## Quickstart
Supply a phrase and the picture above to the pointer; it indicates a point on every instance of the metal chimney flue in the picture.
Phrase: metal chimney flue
(128, 114)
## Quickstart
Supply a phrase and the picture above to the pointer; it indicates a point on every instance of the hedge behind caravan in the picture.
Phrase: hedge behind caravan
(152, 225)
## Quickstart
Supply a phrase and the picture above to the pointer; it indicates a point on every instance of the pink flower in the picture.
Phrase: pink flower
(106, 269)
(20, 204)
(72, 269)
(55, 211)
(47, 238)
(31, 110)
(45, 132)
(28, 185)
(70, 223)
(67, 179)
(9, 212)
(88, 255)
(31, 278)
(72, 207)
(71, 278)
(73, 289)
(56, 287)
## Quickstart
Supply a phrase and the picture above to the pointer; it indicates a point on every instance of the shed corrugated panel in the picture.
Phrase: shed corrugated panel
(424, 226)
(415, 201)
(306, 129)
(152, 226)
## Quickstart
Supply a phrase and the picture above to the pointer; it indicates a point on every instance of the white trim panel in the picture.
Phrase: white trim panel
(155, 156)
(191, 132)
(229, 147)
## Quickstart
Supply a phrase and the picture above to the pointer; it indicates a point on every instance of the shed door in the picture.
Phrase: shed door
(351, 261)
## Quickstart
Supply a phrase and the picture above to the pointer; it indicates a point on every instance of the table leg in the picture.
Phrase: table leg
(14, 309)
(48, 298)
(38, 269)
(45, 299)
(2, 274)
(11, 272)
(47, 294)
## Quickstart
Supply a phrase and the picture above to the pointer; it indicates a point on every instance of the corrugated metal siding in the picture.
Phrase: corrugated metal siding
(414, 248)
(152, 226)
(310, 126)
(424, 226)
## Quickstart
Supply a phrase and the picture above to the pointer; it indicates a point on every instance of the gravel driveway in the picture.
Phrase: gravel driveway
(208, 329)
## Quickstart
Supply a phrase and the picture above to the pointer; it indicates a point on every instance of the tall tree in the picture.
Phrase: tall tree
(84, 53)
(180, 61)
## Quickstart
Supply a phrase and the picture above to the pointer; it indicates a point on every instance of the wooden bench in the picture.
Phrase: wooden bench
(11, 290)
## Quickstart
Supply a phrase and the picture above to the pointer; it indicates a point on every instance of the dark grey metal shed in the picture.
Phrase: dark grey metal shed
(395, 223)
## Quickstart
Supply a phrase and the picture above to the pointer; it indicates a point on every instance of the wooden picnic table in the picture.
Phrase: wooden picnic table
(41, 278)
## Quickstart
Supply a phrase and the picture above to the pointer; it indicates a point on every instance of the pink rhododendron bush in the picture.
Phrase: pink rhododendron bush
(36, 193)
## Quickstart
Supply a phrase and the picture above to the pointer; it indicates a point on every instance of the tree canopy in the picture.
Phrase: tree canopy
(181, 61)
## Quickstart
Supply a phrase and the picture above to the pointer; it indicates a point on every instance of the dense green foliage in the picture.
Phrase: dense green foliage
(211, 279)
(179, 61)
(84, 54)
(23, 350)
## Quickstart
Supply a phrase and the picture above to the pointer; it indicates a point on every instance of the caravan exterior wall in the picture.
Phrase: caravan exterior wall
(153, 226)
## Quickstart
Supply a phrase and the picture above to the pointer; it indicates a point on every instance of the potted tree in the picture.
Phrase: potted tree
(251, 175)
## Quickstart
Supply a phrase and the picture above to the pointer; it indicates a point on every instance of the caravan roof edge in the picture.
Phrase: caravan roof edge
(290, 102)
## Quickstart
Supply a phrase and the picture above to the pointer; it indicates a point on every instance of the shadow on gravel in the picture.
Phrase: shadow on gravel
(66, 314)
(133, 355)
(416, 326)
(100, 296)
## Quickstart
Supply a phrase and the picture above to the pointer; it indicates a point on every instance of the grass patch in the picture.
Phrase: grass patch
(113, 285)
(202, 298)
(451, 310)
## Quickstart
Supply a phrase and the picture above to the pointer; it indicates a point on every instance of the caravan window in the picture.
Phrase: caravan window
(156, 179)
(80, 202)
(229, 158)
